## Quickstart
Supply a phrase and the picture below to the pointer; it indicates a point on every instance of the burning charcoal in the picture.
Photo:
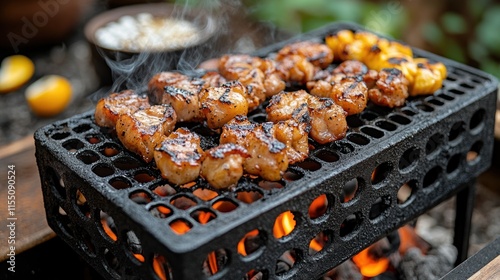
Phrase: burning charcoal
(206, 269)
(350, 189)
(438, 261)
(252, 243)
(134, 243)
(285, 262)
(282, 267)
(215, 262)
(221, 258)
(164, 190)
(258, 276)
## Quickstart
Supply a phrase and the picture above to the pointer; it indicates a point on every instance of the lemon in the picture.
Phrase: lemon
(49, 96)
(15, 71)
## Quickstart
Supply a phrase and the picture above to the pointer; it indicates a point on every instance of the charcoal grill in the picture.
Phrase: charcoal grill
(397, 162)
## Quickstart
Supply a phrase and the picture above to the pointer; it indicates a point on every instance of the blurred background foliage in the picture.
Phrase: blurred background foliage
(463, 30)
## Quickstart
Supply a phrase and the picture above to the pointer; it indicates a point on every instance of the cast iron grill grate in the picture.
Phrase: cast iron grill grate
(394, 164)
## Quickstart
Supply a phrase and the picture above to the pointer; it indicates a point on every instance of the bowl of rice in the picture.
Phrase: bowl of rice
(149, 37)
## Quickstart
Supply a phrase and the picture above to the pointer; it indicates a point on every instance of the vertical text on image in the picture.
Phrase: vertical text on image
(11, 217)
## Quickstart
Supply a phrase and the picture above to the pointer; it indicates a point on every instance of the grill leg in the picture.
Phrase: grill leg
(463, 219)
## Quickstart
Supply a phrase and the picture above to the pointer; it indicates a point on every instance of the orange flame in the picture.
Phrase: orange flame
(409, 238)
(139, 257)
(284, 224)
(164, 210)
(108, 230)
(158, 267)
(212, 262)
(241, 245)
(180, 227)
(315, 245)
(248, 197)
(374, 175)
(205, 217)
(224, 206)
(318, 206)
(368, 266)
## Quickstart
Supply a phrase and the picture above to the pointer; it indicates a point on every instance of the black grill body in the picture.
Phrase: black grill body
(401, 162)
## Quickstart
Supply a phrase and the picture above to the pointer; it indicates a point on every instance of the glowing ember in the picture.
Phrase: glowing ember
(205, 217)
(315, 245)
(161, 211)
(139, 257)
(284, 224)
(159, 267)
(205, 194)
(410, 239)
(212, 262)
(224, 206)
(188, 185)
(318, 207)
(368, 265)
(108, 230)
(180, 227)
(248, 196)
(215, 262)
(241, 245)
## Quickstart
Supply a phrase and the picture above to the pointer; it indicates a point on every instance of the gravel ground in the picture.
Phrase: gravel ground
(436, 226)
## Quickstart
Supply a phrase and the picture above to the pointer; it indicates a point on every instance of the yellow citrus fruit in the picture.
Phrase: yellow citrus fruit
(49, 96)
(15, 71)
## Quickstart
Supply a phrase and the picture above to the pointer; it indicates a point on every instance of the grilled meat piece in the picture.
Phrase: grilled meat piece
(351, 93)
(288, 105)
(213, 79)
(179, 156)
(391, 88)
(268, 158)
(109, 109)
(236, 130)
(298, 62)
(296, 69)
(236, 67)
(178, 90)
(295, 137)
(273, 83)
(319, 55)
(222, 166)
(351, 68)
(328, 120)
(221, 104)
(141, 131)
(267, 155)
(260, 76)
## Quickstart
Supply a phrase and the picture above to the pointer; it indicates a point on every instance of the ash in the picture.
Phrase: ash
(437, 262)
(436, 226)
